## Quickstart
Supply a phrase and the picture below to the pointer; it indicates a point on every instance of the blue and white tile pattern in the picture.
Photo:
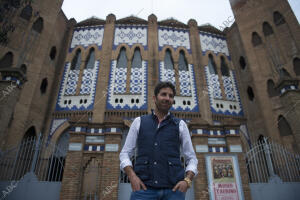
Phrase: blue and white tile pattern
(72, 82)
(87, 81)
(69, 101)
(229, 88)
(136, 80)
(210, 42)
(120, 75)
(166, 74)
(87, 36)
(217, 104)
(137, 99)
(214, 85)
(130, 35)
(186, 101)
(55, 124)
(173, 37)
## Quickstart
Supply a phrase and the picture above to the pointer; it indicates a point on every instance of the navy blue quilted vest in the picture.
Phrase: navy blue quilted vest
(158, 158)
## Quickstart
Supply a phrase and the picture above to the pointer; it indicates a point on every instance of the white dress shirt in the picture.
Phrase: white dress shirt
(185, 144)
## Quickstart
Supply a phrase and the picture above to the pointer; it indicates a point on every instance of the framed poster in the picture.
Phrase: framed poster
(224, 180)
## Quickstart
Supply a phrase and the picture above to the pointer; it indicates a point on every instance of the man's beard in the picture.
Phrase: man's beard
(160, 108)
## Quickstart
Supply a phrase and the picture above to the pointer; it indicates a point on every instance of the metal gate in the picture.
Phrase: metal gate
(274, 172)
(32, 170)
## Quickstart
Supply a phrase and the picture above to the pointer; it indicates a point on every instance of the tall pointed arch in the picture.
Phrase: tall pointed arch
(137, 58)
(184, 75)
(278, 18)
(214, 85)
(182, 63)
(38, 25)
(169, 63)
(224, 67)
(122, 59)
(211, 64)
(256, 39)
(121, 72)
(228, 81)
(168, 71)
(73, 75)
(136, 76)
(76, 61)
(267, 29)
(25, 153)
(296, 63)
(90, 61)
(56, 167)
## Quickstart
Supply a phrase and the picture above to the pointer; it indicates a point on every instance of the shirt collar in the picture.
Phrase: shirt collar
(153, 113)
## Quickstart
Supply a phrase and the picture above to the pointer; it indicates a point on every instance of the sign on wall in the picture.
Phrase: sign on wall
(224, 178)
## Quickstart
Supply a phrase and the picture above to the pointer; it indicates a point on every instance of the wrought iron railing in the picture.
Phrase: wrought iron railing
(46, 161)
(267, 160)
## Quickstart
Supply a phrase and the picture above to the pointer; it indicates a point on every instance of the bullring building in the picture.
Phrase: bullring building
(70, 91)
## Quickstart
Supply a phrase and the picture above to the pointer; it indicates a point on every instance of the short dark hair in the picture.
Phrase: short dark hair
(165, 84)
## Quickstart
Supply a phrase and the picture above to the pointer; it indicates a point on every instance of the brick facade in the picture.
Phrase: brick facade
(93, 167)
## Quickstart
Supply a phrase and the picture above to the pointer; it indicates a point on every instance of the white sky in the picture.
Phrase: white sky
(214, 12)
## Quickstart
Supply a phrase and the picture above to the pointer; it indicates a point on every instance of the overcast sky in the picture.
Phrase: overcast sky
(214, 12)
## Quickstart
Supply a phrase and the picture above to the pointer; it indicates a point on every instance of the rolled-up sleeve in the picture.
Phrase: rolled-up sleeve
(130, 144)
(187, 148)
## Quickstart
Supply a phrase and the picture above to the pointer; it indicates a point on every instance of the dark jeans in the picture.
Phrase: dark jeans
(157, 194)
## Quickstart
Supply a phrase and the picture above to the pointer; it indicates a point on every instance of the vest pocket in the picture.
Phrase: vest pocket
(176, 171)
(141, 168)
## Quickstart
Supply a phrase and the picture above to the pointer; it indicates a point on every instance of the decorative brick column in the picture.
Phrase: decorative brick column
(234, 146)
(215, 140)
(71, 183)
(111, 166)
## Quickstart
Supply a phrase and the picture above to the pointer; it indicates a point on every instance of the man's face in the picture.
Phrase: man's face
(164, 99)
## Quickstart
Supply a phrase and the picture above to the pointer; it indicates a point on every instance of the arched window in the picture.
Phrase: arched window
(23, 68)
(122, 59)
(256, 40)
(90, 61)
(224, 67)
(169, 64)
(56, 167)
(271, 88)
(267, 29)
(38, 25)
(278, 18)
(296, 63)
(76, 62)
(52, 53)
(211, 65)
(25, 153)
(283, 73)
(284, 126)
(44, 85)
(26, 12)
(182, 64)
(242, 62)
(137, 59)
(7, 60)
(30, 133)
(250, 93)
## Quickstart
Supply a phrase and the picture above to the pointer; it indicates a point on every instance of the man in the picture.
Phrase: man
(158, 173)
